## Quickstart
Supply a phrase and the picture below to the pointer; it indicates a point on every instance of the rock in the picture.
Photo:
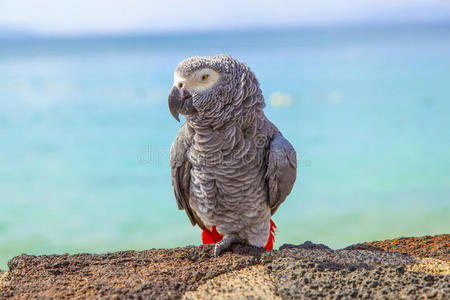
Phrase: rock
(295, 271)
(305, 245)
(437, 246)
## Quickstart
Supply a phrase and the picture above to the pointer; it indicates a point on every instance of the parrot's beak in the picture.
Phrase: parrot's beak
(175, 102)
(180, 102)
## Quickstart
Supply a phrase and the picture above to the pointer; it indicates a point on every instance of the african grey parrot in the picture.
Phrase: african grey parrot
(231, 167)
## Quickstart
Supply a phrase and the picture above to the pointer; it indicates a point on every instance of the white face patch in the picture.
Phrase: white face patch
(198, 81)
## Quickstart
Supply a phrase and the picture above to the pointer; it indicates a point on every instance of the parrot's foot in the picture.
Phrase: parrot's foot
(226, 242)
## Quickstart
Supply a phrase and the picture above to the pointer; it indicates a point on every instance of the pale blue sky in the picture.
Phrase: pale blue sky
(74, 17)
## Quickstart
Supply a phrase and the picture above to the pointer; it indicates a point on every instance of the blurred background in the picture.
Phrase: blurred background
(360, 88)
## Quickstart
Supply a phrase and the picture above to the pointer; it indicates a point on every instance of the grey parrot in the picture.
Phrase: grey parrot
(231, 167)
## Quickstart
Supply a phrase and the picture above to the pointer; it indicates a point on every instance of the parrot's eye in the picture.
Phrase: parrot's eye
(204, 77)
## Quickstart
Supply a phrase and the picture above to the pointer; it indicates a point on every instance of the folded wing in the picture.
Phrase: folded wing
(181, 175)
(281, 170)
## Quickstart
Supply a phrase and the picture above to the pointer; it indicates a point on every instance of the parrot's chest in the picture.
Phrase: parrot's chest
(227, 175)
(224, 158)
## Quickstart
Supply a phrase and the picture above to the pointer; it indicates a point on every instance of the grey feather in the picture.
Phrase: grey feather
(181, 173)
(281, 170)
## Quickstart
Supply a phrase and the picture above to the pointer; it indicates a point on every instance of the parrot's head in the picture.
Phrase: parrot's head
(213, 89)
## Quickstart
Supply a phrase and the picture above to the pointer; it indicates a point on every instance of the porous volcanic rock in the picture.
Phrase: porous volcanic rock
(373, 270)
(150, 274)
(437, 246)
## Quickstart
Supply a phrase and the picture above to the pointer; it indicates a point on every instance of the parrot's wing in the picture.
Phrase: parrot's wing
(181, 174)
(281, 170)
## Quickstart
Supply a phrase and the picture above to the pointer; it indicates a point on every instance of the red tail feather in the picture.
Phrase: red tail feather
(273, 227)
(212, 237)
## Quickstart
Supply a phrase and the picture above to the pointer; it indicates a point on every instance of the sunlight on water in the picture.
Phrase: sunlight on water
(86, 134)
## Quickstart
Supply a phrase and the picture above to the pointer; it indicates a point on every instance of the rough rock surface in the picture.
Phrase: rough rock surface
(156, 273)
(304, 273)
(253, 282)
(293, 272)
(427, 246)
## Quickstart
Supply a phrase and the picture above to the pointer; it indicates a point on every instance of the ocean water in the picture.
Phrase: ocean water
(85, 136)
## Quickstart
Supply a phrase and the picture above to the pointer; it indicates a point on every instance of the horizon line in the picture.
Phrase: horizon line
(24, 33)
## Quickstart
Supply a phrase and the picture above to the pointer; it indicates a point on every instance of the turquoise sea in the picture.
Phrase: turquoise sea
(85, 134)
